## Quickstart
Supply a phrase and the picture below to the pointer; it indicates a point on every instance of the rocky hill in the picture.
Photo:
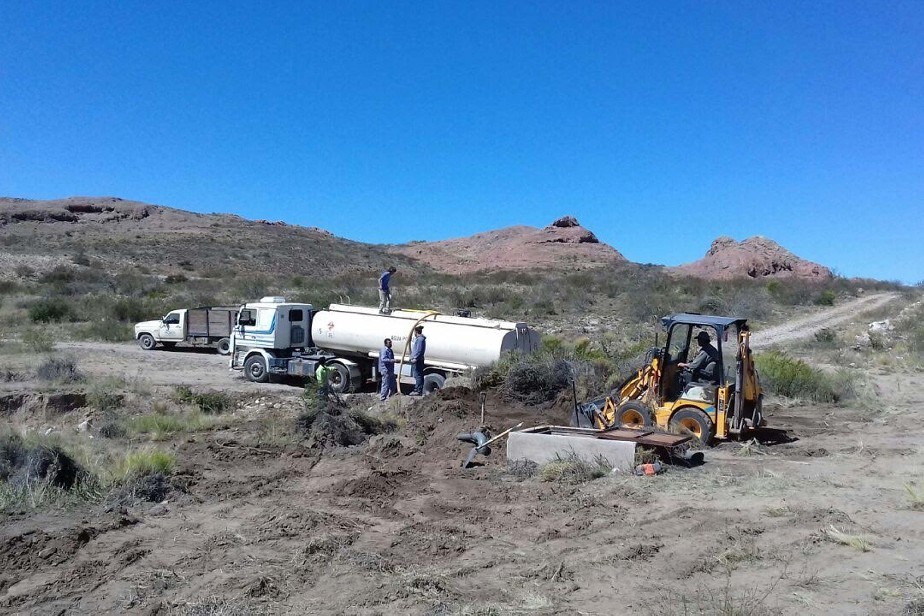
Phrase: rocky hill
(755, 257)
(119, 234)
(562, 244)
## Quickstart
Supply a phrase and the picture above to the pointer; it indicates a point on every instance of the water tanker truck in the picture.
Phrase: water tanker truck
(276, 337)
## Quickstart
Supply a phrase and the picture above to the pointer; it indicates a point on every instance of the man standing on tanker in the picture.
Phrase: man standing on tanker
(418, 350)
(385, 290)
(387, 370)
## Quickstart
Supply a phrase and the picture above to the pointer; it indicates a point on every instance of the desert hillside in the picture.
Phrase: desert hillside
(118, 234)
(562, 244)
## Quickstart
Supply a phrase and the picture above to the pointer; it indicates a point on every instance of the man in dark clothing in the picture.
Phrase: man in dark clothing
(385, 290)
(418, 350)
(703, 367)
(387, 370)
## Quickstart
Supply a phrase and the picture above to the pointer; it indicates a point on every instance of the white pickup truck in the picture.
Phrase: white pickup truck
(204, 326)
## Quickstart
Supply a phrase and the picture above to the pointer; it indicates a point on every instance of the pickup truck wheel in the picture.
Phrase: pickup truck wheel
(255, 369)
(147, 342)
(339, 379)
(224, 346)
(432, 383)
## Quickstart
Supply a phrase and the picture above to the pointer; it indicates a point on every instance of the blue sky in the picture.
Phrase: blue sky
(659, 125)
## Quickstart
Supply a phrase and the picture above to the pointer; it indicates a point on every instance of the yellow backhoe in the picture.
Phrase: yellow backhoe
(715, 394)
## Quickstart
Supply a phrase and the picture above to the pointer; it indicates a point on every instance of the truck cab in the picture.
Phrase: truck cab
(169, 330)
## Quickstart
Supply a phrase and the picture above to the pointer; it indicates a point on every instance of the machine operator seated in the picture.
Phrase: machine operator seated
(705, 366)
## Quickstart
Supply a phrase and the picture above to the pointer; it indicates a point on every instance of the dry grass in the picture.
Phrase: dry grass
(857, 542)
(915, 497)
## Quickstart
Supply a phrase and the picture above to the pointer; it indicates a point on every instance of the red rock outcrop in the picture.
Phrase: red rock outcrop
(755, 257)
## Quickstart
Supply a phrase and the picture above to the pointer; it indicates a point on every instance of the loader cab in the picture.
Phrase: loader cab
(682, 347)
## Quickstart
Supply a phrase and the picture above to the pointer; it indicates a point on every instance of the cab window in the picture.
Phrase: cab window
(172, 319)
(247, 317)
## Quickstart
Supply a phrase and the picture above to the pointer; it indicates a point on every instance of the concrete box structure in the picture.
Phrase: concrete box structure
(538, 446)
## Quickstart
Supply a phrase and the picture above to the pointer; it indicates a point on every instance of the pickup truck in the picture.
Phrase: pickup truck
(203, 326)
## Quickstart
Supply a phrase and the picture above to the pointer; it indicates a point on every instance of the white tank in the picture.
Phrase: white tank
(453, 342)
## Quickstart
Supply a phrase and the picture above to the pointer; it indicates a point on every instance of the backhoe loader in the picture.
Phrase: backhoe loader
(716, 395)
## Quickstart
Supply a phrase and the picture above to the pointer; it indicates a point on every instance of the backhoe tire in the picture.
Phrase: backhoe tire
(633, 414)
(147, 342)
(224, 346)
(339, 379)
(255, 369)
(694, 422)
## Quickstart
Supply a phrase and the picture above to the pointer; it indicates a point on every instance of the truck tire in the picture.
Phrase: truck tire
(433, 382)
(633, 414)
(147, 342)
(339, 379)
(224, 346)
(693, 421)
(255, 369)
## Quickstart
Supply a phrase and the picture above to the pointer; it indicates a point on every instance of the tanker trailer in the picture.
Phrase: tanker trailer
(350, 337)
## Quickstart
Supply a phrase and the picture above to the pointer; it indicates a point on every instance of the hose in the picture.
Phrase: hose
(407, 344)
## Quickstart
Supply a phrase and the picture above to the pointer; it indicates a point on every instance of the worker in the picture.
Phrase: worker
(703, 367)
(322, 376)
(387, 370)
(385, 290)
(418, 350)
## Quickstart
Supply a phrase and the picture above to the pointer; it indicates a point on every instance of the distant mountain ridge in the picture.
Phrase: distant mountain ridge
(119, 233)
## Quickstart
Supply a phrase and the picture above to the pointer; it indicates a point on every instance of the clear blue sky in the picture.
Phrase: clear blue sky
(659, 125)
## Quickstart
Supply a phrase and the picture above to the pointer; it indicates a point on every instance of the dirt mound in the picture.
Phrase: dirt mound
(333, 425)
(559, 245)
(755, 257)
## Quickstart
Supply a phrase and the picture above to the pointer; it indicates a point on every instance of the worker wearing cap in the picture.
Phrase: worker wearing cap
(387, 370)
(385, 290)
(418, 350)
(704, 365)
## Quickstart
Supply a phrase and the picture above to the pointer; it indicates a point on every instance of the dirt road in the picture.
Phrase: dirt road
(805, 327)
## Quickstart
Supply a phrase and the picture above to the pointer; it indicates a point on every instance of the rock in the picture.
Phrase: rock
(565, 222)
(755, 257)
(881, 327)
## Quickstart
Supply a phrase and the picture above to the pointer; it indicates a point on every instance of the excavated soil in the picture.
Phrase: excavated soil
(395, 525)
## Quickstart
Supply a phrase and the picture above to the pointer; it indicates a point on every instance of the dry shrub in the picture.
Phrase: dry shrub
(533, 379)
(329, 424)
(59, 369)
(22, 462)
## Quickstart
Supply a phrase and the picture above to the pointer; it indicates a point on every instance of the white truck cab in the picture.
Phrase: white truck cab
(169, 330)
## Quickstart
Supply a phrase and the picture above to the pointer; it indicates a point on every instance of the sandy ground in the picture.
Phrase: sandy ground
(396, 526)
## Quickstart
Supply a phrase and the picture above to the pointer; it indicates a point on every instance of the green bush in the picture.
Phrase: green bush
(146, 462)
(209, 402)
(825, 298)
(793, 378)
(534, 379)
(49, 309)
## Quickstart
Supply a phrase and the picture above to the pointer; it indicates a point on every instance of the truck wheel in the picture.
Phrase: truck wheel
(147, 342)
(224, 346)
(255, 369)
(633, 414)
(339, 379)
(433, 382)
(695, 422)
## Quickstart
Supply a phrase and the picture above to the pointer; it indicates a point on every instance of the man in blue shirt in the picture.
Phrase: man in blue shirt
(385, 291)
(418, 350)
(387, 370)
